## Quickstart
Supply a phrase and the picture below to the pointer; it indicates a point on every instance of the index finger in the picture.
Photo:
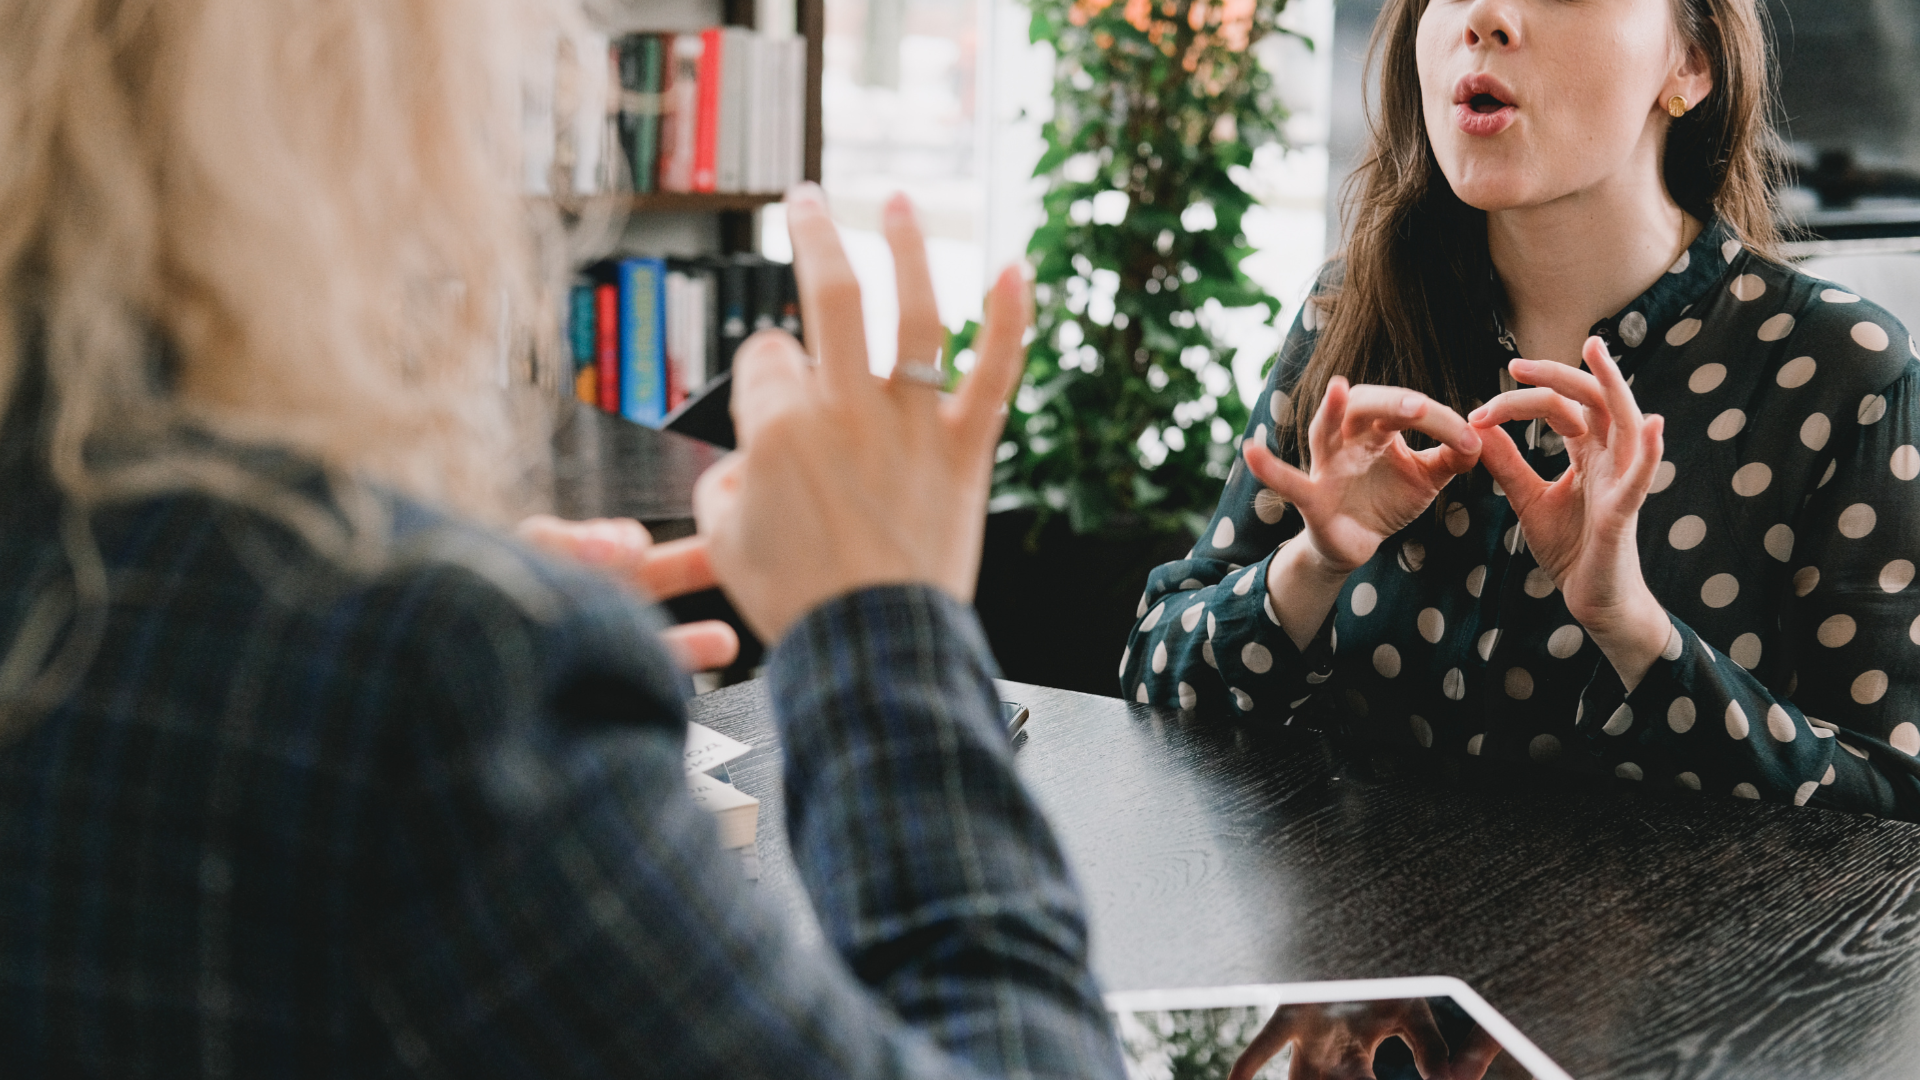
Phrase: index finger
(1411, 410)
(829, 294)
(1620, 403)
(675, 568)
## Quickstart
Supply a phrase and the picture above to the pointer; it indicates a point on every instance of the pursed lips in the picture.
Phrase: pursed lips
(1483, 105)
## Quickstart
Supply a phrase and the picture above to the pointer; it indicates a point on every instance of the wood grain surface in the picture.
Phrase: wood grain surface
(1630, 934)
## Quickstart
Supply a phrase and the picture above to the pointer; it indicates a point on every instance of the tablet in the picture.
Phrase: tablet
(1391, 1029)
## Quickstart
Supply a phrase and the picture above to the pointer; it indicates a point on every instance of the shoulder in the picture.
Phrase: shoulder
(1825, 331)
(1304, 337)
(473, 607)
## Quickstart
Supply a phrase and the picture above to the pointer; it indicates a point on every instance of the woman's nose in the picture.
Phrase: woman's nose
(1493, 23)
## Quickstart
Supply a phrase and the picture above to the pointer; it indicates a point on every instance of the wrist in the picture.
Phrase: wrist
(1632, 636)
(1299, 561)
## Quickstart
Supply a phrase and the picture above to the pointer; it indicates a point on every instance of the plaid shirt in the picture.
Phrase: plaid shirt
(432, 820)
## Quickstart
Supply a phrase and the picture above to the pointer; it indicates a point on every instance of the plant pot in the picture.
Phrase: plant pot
(1058, 613)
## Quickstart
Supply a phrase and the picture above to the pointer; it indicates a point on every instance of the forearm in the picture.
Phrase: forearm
(928, 863)
(1302, 589)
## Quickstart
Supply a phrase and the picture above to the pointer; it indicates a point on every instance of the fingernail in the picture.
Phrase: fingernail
(1477, 413)
(806, 194)
(1520, 365)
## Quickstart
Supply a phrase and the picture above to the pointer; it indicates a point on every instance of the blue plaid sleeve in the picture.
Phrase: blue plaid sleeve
(558, 907)
(930, 867)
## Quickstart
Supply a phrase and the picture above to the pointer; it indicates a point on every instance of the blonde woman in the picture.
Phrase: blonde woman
(306, 771)
(1688, 563)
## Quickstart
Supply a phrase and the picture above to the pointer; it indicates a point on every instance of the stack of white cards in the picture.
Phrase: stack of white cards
(737, 812)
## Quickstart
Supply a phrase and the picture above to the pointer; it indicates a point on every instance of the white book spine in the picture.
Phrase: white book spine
(735, 61)
(794, 165)
(759, 124)
(536, 117)
(698, 315)
(590, 109)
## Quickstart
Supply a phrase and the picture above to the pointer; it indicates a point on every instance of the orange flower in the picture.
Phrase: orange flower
(1237, 23)
(1139, 13)
(1197, 15)
(1103, 39)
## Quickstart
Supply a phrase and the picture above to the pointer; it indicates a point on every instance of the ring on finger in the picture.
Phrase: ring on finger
(921, 373)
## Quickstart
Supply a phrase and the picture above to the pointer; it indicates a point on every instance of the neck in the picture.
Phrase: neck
(1568, 263)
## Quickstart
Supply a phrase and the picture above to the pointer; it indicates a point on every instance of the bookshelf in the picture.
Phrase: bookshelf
(607, 466)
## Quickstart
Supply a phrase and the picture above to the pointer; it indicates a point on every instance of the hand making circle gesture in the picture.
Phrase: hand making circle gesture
(1364, 483)
(1583, 526)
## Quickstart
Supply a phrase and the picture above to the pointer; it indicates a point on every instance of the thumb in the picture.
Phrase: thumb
(769, 377)
(1283, 479)
(1509, 468)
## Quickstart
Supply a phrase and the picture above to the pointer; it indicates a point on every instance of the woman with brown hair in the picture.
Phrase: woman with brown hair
(1688, 562)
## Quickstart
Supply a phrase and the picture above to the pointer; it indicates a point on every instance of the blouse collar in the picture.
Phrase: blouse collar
(1628, 331)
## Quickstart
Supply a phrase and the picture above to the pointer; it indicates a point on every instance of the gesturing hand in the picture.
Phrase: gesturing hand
(1582, 527)
(843, 481)
(624, 548)
(1365, 483)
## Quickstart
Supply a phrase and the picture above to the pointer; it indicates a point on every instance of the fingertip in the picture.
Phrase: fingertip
(805, 196)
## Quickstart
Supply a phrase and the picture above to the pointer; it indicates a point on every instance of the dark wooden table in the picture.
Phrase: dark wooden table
(606, 466)
(1631, 935)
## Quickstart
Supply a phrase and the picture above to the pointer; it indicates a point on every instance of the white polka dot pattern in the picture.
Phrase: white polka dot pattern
(1706, 378)
(1779, 542)
(1870, 335)
(1815, 430)
(1776, 328)
(1365, 596)
(1779, 526)
(1726, 425)
(1796, 372)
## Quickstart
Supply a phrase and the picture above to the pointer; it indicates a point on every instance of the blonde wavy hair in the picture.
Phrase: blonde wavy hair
(287, 222)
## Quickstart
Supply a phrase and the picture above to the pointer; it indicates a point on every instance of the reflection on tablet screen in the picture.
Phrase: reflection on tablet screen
(1390, 1029)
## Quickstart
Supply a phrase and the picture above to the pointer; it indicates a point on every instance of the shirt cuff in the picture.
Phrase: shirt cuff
(1264, 670)
(1608, 711)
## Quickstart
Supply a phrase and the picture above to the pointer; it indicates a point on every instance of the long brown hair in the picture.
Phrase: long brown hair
(1417, 291)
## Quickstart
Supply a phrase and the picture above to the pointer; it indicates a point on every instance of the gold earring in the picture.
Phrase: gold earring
(1676, 106)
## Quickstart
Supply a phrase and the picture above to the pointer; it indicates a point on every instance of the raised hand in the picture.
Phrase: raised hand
(1582, 527)
(623, 547)
(1365, 483)
(844, 481)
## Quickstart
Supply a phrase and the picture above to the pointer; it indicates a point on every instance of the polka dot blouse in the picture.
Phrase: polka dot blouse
(1780, 535)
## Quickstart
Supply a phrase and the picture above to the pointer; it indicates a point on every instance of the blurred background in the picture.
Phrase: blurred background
(1137, 384)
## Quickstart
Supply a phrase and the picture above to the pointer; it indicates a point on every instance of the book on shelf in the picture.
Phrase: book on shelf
(721, 110)
(648, 333)
(606, 336)
(643, 340)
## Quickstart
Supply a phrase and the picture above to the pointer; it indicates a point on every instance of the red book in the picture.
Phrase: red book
(706, 140)
(606, 346)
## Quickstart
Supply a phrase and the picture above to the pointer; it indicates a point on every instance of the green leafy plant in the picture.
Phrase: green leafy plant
(1128, 419)
(1196, 1044)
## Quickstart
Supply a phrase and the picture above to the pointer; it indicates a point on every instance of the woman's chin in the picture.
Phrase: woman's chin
(1495, 190)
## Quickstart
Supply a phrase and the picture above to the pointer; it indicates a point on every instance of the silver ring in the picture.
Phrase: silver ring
(921, 372)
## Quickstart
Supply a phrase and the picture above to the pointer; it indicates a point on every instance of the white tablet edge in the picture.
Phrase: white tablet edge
(1269, 995)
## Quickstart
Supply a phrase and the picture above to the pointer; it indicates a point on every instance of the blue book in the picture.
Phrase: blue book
(580, 324)
(643, 340)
